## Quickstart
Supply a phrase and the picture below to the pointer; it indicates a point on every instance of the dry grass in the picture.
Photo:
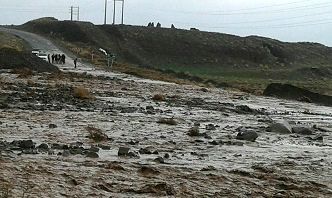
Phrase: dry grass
(158, 97)
(23, 72)
(96, 134)
(82, 93)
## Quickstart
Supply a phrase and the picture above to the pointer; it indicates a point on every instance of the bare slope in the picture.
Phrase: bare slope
(15, 54)
(211, 56)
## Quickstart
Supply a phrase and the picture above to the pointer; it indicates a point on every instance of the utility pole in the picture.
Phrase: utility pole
(114, 11)
(105, 17)
(74, 11)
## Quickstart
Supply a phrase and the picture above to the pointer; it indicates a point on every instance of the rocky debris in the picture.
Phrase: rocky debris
(159, 160)
(52, 126)
(168, 121)
(318, 137)
(96, 134)
(65, 153)
(146, 170)
(92, 154)
(162, 189)
(159, 97)
(244, 109)
(94, 149)
(166, 156)
(210, 127)
(282, 127)
(290, 92)
(209, 168)
(146, 150)
(302, 130)
(194, 131)
(23, 144)
(104, 147)
(123, 151)
(248, 135)
(43, 146)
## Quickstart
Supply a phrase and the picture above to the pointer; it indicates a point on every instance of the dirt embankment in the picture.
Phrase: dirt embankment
(15, 54)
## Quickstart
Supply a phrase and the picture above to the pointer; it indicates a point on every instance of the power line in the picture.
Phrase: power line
(304, 7)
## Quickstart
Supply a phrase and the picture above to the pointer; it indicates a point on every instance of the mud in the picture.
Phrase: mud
(165, 160)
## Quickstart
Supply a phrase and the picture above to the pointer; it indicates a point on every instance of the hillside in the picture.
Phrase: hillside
(213, 56)
(16, 54)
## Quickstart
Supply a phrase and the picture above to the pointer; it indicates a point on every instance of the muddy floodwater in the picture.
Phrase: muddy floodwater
(46, 150)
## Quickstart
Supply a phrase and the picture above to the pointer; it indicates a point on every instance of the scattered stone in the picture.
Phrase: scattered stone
(24, 144)
(133, 154)
(197, 124)
(244, 109)
(204, 89)
(302, 130)
(30, 152)
(209, 168)
(169, 121)
(43, 146)
(96, 134)
(159, 97)
(194, 131)
(94, 149)
(65, 153)
(282, 127)
(159, 160)
(166, 156)
(247, 135)
(123, 151)
(133, 142)
(92, 154)
(210, 127)
(158, 188)
(52, 126)
(155, 152)
(104, 147)
(214, 142)
(146, 150)
(318, 137)
(145, 170)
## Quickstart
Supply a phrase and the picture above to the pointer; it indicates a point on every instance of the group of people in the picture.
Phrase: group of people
(57, 59)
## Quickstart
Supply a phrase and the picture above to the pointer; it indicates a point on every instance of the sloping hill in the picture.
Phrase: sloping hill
(214, 56)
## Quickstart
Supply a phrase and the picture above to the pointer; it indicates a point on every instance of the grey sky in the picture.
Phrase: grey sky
(287, 20)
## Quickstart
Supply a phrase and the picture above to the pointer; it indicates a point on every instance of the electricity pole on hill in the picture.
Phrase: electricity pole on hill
(74, 11)
(114, 12)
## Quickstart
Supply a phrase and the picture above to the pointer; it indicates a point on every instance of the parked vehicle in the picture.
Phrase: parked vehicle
(35, 51)
(43, 56)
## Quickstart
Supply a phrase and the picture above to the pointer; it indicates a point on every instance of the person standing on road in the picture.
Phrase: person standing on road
(49, 58)
(53, 58)
(63, 57)
(75, 62)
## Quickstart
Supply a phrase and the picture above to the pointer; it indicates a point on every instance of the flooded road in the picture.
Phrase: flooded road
(164, 160)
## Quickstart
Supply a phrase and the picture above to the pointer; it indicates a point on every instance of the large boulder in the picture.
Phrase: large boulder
(247, 135)
(282, 127)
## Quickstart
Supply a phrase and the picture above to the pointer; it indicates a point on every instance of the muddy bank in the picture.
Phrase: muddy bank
(291, 92)
(13, 59)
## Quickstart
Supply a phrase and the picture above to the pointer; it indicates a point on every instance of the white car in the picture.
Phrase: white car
(43, 56)
(35, 51)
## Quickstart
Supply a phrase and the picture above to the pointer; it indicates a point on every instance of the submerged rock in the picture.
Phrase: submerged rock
(282, 127)
(247, 135)
(302, 130)
(123, 151)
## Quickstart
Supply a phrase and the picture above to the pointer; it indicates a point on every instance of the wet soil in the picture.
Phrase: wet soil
(165, 161)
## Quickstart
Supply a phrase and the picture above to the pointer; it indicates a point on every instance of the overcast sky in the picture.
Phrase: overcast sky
(286, 20)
